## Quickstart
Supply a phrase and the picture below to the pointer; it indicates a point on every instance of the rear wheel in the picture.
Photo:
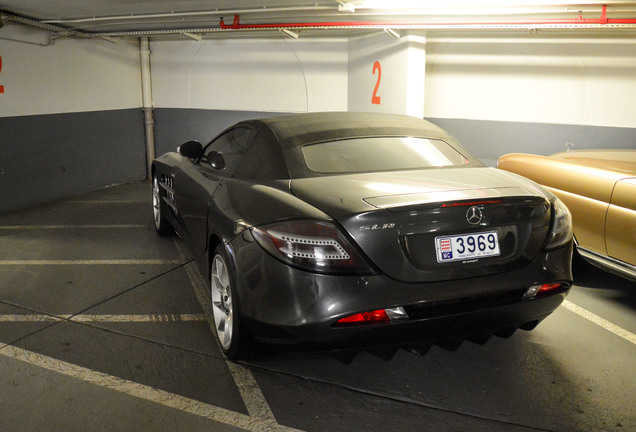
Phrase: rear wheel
(235, 342)
(162, 226)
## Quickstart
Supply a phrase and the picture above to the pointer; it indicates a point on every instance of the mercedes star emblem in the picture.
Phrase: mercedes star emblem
(474, 215)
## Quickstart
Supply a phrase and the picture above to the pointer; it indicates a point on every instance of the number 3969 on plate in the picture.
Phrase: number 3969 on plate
(466, 246)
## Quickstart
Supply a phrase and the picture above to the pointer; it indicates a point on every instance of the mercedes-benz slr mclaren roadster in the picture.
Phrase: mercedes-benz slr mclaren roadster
(347, 230)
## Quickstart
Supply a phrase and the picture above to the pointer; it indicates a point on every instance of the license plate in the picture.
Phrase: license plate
(466, 246)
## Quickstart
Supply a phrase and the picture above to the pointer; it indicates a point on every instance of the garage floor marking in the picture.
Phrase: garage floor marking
(105, 318)
(61, 227)
(142, 391)
(253, 398)
(618, 331)
(88, 262)
(29, 318)
(139, 318)
(106, 202)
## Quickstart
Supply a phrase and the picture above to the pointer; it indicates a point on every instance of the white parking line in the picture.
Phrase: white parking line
(132, 388)
(139, 318)
(104, 318)
(61, 227)
(602, 322)
(88, 262)
(253, 397)
(107, 202)
(29, 318)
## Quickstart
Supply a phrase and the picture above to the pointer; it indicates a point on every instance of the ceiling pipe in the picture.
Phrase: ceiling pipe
(551, 23)
(603, 22)
(191, 14)
(146, 95)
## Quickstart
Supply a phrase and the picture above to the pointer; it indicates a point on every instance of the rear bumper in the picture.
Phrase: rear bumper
(478, 324)
(283, 305)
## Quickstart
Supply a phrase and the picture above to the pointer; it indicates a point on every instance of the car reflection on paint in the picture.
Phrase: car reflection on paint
(599, 187)
(347, 230)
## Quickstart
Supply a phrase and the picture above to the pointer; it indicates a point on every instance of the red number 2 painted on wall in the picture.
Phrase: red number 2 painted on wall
(375, 99)
(1, 86)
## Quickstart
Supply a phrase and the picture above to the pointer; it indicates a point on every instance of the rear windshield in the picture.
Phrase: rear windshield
(380, 154)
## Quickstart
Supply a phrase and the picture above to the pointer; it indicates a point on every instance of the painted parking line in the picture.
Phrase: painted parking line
(88, 262)
(63, 227)
(599, 321)
(145, 392)
(252, 396)
(29, 318)
(107, 202)
(105, 318)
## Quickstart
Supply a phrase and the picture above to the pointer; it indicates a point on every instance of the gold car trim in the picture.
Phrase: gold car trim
(608, 263)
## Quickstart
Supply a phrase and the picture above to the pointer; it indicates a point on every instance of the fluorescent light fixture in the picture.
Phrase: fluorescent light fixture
(110, 39)
(436, 4)
(290, 33)
(193, 36)
(346, 7)
(393, 33)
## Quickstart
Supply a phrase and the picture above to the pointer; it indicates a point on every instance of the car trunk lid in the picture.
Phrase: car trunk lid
(401, 220)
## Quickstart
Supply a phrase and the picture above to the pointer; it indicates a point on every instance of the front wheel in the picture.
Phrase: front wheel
(235, 342)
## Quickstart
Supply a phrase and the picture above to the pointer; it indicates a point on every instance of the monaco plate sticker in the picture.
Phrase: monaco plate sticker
(466, 246)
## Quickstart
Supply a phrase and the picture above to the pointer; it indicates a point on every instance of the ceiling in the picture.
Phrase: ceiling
(203, 18)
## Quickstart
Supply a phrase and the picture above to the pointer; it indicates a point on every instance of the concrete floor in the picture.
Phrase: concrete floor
(103, 327)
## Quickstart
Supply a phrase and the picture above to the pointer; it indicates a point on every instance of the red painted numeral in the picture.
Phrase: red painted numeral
(375, 99)
(1, 86)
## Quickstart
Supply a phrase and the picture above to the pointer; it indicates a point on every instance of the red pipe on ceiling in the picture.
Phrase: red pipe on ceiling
(603, 20)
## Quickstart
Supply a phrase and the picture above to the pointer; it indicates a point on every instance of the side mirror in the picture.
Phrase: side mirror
(216, 161)
(191, 149)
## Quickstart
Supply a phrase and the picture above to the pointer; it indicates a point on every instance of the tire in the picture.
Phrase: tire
(159, 208)
(234, 340)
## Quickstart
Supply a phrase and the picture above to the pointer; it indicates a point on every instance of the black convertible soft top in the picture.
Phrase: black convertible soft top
(276, 152)
(308, 128)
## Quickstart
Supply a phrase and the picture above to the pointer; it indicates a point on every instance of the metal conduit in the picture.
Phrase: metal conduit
(146, 90)
(603, 22)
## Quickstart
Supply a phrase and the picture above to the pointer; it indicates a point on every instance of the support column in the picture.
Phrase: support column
(387, 73)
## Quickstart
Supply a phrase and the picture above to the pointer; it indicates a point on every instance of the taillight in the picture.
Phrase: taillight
(539, 290)
(376, 316)
(311, 245)
(561, 225)
(366, 317)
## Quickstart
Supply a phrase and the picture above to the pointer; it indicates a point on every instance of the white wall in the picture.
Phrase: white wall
(281, 75)
(69, 76)
(543, 78)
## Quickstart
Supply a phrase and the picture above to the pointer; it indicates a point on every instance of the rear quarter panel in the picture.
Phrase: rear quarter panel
(586, 191)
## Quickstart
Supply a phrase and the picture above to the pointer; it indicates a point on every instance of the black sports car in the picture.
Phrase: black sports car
(343, 230)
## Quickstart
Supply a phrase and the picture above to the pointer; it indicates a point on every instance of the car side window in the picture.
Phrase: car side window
(232, 145)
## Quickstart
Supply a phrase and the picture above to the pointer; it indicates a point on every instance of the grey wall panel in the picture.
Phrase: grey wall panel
(48, 157)
(490, 139)
(174, 126)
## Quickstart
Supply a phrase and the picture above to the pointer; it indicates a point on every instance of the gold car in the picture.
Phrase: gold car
(599, 188)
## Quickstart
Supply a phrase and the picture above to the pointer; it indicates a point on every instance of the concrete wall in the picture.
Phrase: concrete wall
(522, 92)
(200, 88)
(267, 75)
(70, 117)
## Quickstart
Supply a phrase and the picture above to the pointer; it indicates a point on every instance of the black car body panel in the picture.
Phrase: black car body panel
(391, 220)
